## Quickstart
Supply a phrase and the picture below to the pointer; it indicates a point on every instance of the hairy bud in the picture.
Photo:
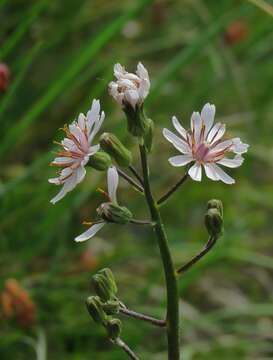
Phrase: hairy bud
(214, 222)
(216, 204)
(114, 213)
(114, 147)
(100, 161)
(113, 327)
(137, 123)
(95, 309)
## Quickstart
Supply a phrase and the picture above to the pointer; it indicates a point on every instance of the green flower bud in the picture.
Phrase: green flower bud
(113, 327)
(100, 161)
(111, 307)
(216, 204)
(107, 273)
(214, 222)
(137, 123)
(114, 147)
(102, 287)
(95, 309)
(114, 213)
(148, 138)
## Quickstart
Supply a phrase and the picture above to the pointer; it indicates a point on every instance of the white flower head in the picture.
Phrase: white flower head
(112, 183)
(203, 145)
(130, 88)
(77, 149)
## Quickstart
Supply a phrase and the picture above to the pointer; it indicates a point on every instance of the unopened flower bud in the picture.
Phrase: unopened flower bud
(114, 213)
(113, 327)
(216, 204)
(114, 147)
(102, 287)
(95, 309)
(100, 161)
(111, 307)
(214, 222)
(108, 274)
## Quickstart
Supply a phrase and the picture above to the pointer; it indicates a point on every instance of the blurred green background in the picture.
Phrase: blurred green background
(61, 56)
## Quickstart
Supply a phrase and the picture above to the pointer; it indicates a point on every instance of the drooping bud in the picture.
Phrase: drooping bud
(111, 307)
(95, 309)
(216, 204)
(114, 147)
(113, 327)
(102, 287)
(100, 161)
(114, 213)
(214, 222)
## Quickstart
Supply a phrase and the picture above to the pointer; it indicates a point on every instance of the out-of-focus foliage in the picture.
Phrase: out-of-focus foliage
(60, 55)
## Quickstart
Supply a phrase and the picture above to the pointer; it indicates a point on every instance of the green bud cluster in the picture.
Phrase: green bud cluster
(214, 218)
(114, 213)
(114, 147)
(104, 305)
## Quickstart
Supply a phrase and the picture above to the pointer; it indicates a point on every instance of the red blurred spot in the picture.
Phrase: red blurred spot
(235, 32)
(4, 77)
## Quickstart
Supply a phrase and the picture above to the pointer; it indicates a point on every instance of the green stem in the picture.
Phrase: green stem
(173, 189)
(170, 276)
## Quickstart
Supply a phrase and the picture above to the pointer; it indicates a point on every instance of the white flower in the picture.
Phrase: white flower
(77, 150)
(203, 146)
(112, 182)
(130, 88)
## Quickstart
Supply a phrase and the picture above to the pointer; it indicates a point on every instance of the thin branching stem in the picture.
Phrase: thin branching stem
(173, 189)
(125, 348)
(130, 180)
(172, 319)
(137, 315)
(141, 222)
(136, 174)
(209, 245)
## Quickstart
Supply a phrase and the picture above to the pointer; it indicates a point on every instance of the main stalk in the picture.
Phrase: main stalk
(170, 277)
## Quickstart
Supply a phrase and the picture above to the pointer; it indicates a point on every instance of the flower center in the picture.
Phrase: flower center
(201, 151)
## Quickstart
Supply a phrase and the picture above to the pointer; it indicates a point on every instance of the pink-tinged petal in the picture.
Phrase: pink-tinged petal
(207, 116)
(210, 172)
(179, 128)
(180, 160)
(131, 97)
(88, 234)
(195, 172)
(222, 175)
(216, 133)
(196, 125)
(224, 145)
(238, 146)
(112, 181)
(178, 143)
(232, 163)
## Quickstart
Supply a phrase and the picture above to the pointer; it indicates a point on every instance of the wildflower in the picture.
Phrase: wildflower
(77, 150)
(109, 211)
(203, 146)
(130, 89)
(4, 77)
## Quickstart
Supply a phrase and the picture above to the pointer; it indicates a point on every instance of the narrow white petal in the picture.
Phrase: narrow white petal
(207, 116)
(90, 232)
(222, 175)
(231, 163)
(93, 149)
(221, 146)
(62, 160)
(178, 143)
(180, 160)
(131, 97)
(210, 172)
(112, 181)
(80, 174)
(195, 172)
(196, 125)
(179, 128)
(142, 71)
(216, 133)
(68, 186)
(239, 147)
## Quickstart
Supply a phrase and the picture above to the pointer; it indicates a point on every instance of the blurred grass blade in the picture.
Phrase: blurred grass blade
(79, 61)
(263, 5)
(22, 28)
